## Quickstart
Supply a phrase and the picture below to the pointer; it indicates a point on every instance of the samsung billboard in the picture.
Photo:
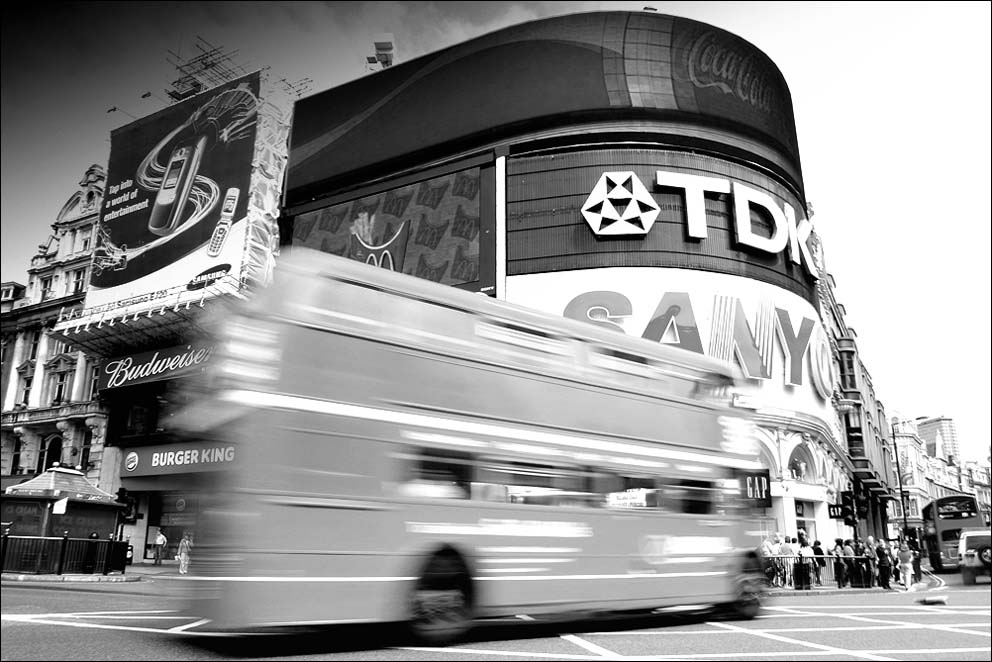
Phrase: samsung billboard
(183, 198)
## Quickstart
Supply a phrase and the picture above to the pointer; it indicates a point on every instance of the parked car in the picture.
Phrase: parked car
(975, 555)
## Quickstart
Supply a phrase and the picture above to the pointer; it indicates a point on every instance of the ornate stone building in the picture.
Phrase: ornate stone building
(50, 410)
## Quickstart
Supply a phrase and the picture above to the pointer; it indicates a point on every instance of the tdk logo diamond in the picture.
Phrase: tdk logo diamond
(620, 205)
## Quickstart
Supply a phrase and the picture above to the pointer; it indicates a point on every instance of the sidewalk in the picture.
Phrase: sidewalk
(930, 581)
(133, 573)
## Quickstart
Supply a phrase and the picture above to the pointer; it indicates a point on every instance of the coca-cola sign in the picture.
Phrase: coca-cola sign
(717, 73)
(154, 366)
(714, 62)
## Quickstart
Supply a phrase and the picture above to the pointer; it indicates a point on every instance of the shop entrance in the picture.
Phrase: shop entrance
(805, 521)
(174, 513)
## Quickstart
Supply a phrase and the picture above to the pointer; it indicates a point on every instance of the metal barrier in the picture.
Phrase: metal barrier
(57, 556)
(806, 572)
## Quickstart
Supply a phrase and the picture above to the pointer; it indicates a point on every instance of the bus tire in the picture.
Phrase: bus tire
(441, 602)
(750, 599)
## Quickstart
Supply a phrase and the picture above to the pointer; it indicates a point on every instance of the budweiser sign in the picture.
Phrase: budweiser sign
(154, 366)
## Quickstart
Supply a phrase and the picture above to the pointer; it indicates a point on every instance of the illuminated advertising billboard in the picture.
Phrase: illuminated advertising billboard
(652, 207)
(556, 71)
(179, 183)
(774, 336)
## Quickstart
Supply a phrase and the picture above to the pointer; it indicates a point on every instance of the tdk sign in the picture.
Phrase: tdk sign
(619, 205)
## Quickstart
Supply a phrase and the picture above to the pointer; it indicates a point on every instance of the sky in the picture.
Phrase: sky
(892, 105)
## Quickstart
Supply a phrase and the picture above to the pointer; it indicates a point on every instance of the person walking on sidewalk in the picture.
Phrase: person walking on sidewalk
(906, 565)
(160, 544)
(821, 562)
(884, 564)
(185, 545)
(840, 568)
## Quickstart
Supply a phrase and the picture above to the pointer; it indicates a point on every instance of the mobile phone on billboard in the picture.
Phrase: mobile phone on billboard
(224, 224)
(176, 184)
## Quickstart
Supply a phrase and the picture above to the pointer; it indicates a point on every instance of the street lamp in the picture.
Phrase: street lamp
(902, 495)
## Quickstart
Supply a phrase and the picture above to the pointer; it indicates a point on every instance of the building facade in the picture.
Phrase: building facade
(941, 436)
(637, 171)
(188, 225)
(51, 410)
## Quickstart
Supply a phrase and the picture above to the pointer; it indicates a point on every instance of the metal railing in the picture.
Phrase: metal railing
(807, 572)
(57, 556)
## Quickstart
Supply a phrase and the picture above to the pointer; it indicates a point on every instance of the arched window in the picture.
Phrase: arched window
(52, 454)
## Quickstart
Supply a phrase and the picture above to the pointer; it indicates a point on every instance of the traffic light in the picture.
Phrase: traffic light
(848, 508)
(129, 502)
(861, 505)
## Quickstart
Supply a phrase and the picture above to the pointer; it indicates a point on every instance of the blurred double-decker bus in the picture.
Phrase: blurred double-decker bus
(409, 452)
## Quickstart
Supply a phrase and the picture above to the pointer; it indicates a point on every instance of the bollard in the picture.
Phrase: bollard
(62, 547)
(106, 557)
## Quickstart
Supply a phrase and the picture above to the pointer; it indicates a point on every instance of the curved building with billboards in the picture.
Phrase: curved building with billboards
(635, 170)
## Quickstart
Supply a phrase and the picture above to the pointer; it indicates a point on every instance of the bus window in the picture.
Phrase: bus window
(693, 497)
(539, 484)
(438, 475)
(634, 492)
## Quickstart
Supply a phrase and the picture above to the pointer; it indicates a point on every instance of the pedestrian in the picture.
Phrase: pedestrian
(185, 546)
(884, 564)
(160, 544)
(849, 563)
(870, 565)
(788, 553)
(840, 568)
(821, 562)
(803, 571)
(906, 565)
(917, 570)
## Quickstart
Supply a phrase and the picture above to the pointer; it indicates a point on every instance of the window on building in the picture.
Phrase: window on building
(78, 281)
(26, 382)
(47, 288)
(84, 455)
(60, 386)
(33, 341)
(848, 371)
(84, 239)
(94, 381)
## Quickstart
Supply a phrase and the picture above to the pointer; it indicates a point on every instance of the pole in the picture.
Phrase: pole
(902, 495)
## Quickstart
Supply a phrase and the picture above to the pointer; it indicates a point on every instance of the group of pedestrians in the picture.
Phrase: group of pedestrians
(793, 562)
(182, 552)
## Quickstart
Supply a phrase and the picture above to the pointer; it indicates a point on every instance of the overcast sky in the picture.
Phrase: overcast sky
(892, 104)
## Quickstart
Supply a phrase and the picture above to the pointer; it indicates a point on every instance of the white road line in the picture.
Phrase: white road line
(455, 650)
(848, 628)
(591, 647)
(183, 628)
(917, 611)
(799, 642)
(792, 654)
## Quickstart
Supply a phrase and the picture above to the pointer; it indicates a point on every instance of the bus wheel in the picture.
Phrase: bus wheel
(748, 604)
(441, 602)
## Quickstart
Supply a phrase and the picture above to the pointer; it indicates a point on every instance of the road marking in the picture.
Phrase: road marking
(788, 640)
(591, 647)
(183, 628)
(455, 650)
(918, 610)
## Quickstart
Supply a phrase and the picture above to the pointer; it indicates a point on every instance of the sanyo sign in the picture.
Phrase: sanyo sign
(620, 205)
(773, 335)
